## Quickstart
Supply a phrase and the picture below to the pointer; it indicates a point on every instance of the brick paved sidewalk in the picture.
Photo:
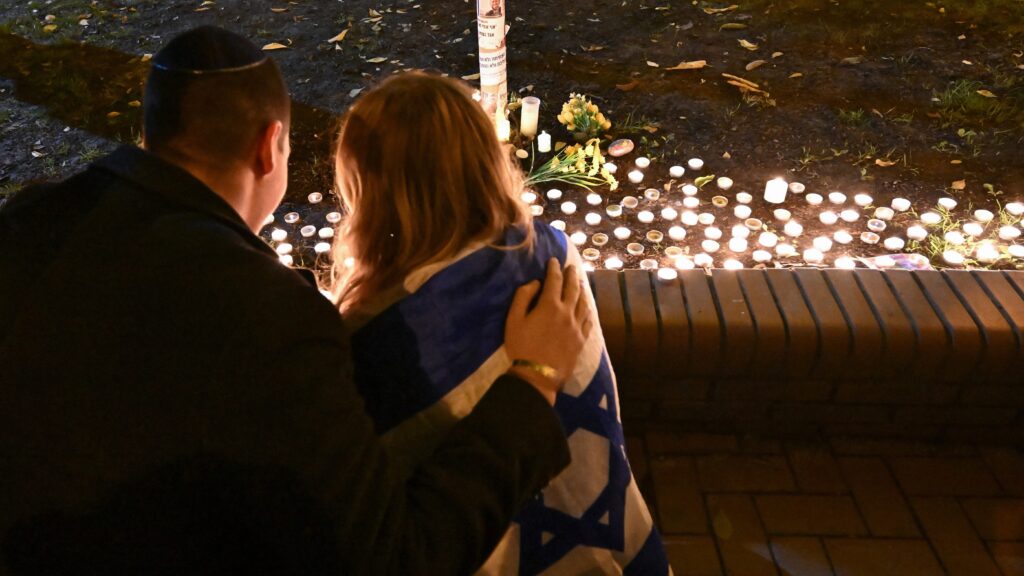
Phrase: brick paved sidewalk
(843, 506)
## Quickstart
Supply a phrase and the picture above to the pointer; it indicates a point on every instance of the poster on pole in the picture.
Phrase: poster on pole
(491, 32)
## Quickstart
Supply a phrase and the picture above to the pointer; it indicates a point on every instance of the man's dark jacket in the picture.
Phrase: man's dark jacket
(173, 400)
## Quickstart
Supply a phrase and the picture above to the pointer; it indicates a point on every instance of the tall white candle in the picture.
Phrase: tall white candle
(528, 116)
(775, 191)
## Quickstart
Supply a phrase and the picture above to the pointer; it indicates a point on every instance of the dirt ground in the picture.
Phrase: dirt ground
(914, 99)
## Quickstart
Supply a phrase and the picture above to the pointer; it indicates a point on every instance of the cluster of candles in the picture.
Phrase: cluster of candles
(860, 220)
(279, 236)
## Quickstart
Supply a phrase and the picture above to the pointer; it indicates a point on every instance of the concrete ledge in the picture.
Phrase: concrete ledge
(921, 353)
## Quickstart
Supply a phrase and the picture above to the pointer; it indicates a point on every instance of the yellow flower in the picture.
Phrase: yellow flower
(606, 125)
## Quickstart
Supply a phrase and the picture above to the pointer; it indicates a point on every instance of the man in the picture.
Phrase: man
(495, 10)
(173, 400)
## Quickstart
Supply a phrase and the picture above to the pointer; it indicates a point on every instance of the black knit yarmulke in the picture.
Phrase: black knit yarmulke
(208, 49)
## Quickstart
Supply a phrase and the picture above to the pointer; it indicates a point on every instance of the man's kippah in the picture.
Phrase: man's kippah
(208, 49)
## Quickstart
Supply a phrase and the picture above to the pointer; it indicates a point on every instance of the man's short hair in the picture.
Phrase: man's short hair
(209, 95)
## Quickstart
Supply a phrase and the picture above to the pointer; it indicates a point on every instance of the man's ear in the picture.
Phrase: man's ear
(267, 148)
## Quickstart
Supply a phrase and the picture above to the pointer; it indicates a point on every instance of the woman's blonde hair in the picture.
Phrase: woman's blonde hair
(422, 175)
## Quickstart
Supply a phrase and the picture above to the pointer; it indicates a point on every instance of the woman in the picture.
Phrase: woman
(426, 263)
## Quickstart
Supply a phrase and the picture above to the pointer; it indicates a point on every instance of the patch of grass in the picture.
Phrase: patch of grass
(8, 189)
(637, 123)
(856, 118)
(960, 103)
(90, 154)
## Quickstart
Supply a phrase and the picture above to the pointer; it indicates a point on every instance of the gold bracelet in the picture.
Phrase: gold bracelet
(543, 370)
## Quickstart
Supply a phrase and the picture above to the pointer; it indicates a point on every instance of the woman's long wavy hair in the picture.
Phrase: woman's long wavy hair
(422, 175)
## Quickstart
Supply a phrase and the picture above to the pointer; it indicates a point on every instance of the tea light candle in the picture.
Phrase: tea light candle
(307, 231)
(842, 237)
(591, 254)
(732, 264)
(326, 233)
(268, 220)
(706, 218)
(710, 246)
(284, 248)
(613, 210)
(691, 202)
(630, 202)
(894, 244)
(703, 260)
(785, 250)
(655, 236)
(744, 198)
(648, 264)
(987, 253)
(983, 216)
(683, 263)
(767, 239)
(635, 248)
(622, 232)
(955, 238)
(823, 243)
(753, 224)
(846, 263)
(947, 203)
(917, 233)
(876, 225)
(762, 256)
(719, 201)
(1009, 233)
(286, 259)
(322, 247)
(642, 162)
(713, 233)
(536, 210)
(544, 142)
(578, 238)
(836, 197)
(695, 163)
(828, 217)
(611, 167)
(974, 229)
(676, 171)
(594, 199)
(953, 257)
(278, 235)
(1015, 208)
(849, 215)
(635, 176)
(669, 214)
(558, 225)
(813, 256)
(528, 197)
(592, 218)
(797, 187)
(667, 274)
(673, 252)
(652, 194)
(554, 194)
(814, 199)
(315, 197)
(645, 216)
(689, 218)
(931, 218)
(884, 213)
(775, 191)
(613, 263)
(677, 233)
(869, 238)
(291, 217)
(885, 262)
(599, 239)
(740, 231)
(742, 211)
(793, 229)
(782, 215)
(863, 200)
(724, 183)
(568, 208)
(738, 245)
(504, 130)
(900, 204)
(1015, 250)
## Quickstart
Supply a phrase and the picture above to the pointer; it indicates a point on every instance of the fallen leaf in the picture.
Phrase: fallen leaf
(883, 163)
(968, 62)
(726, 155)
(986, 93)
(956, 161)
(959, 185)
(592, 48)
(49, 28)
(629, 85)
(339, 37)
(776, 54)
(380, 59)
(274, 46)
(375, 14)
(746, 87)
(748, 45)
(146, 57)
(354, 93)
(851, 60)
(278, 10)
(733, 26)
(207, 3)
(720, 10)
(467, 77)
(37, 154)
(741, 80)
(203, 9)
(135, 104)
(114, 114)
(796, 75)
(692, 65)
(652, 64)
(755, 65)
